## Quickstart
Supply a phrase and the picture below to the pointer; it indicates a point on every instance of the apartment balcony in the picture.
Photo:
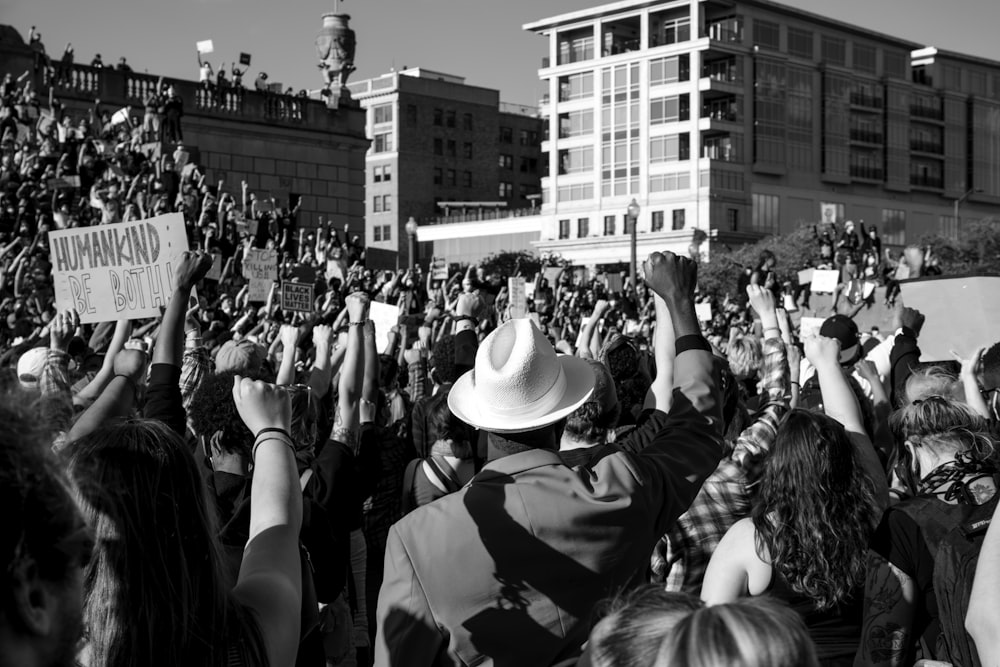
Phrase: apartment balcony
(927, 112)
(863, 172)
(867, 101)
(863, 136)
(724, 33)
(619, 46)
(924, 146)
(927, 181)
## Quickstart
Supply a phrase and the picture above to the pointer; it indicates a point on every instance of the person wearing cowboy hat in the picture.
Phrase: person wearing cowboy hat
(507, 570)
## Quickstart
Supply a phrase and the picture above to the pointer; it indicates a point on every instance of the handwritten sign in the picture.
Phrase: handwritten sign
(260, 264)
(114, 271)
(297, 297)
(244, 58)
(703, 311)
(215, 273)
(518, 297)
(385, 317)
(806, 276)
(825, 281)
(205, 46)
(259, 289)
(439, 268)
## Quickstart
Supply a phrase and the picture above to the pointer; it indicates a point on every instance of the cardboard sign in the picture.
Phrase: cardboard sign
(806, 276)
(297, 297)
(264, 204)
(704, 312)
(124, 270)
(809, 326)
(64, 182)
(260, 289)
(529, 290)
(260, 264)
(825, 281)
(120, 116)
(244, 58)
(205, 46)
(518, 297)
(385, 317)
(439, 268)
(215, 273)
(962, 314)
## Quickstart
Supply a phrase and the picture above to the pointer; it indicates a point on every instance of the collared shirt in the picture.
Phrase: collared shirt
(195, 366)
(681, 556)
(57, 396)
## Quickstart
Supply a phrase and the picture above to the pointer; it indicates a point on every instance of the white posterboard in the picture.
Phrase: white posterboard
(260, 264)
(809, 326)
(529, 289)
(205, 46)
(518, 297)
(961, 314)
(806, 276)
(259, 289)
(384, 316)
(439, 268)
(124, 270)
(825, 281)
(215, 273)
(704, 312)
(336, 268)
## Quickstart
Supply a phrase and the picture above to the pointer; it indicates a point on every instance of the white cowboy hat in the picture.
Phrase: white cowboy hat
(519, 382)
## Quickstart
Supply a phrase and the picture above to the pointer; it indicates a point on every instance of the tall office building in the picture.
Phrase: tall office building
(441, 147)
(753, 117)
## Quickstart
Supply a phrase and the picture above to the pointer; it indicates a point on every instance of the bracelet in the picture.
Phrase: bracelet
(131, 383)
(691, 342)
(357, 324)
(273, 429)
(288, 443)
(472, 319)
(794, 383)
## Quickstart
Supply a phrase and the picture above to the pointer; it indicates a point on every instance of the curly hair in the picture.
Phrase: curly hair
(212, 410)
(814, 509)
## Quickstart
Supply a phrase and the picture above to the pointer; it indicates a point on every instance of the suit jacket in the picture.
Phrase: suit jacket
(507, 570)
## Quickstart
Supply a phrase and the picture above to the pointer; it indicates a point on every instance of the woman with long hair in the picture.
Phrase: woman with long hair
(818, 500)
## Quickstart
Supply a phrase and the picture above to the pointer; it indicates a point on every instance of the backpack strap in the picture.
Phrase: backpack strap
(445, 473)
(407, 503)
(304, 479)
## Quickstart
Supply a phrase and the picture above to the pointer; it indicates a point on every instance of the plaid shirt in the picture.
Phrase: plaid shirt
(196, 364)
(681, 556)
(57, 396)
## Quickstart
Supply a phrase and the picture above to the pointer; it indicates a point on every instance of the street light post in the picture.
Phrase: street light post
(961, 199)
(631, 217)
(411, 233)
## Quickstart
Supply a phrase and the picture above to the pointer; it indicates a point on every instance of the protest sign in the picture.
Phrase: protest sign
(63, 182)
(205, 46)
(825, 281)
(518, 297)
(809, 326)
(963, 313)
(297, 297)
(439, 268)
(244, 58)
(124, 270)
(181, 159)
(529, 289)
(260, 289)
(215, 273)
(806, 276)
(703, 311)
(120, 116)
(260, 264)
(385, 317)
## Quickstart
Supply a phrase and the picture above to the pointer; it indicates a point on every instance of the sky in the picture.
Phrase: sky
(478, 39)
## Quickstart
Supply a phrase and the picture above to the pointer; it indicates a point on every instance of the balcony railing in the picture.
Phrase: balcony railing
(925, 146)
(922, 111)
(867, 172)
(480, 215)
(867, 100)
(867, 136)
(619, 46)
(925, 181)
(725, 31)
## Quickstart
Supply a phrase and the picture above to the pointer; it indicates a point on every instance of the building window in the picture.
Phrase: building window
(864, 58)
(377, 174)
(834, 51)
(893, 228)
(669, 70)
(578, 192)
(609, 225)
(656, 221)
(669, 109)
(765, 214)
(533, 138)
(733, 219)
(377, 204)
(575, 46)
(386, 203)
(467, 121)
(382, 173)
(576, 86)
(506, 161)
(522, 138)
(582, 228)
(438, 178)
(670, 182)
(576, 123)
(449, 119)
(467, 179)
(673, 31)
(438, 116)
(576, 160)
(894, 64)
(438, 147)
(506, 190)
(382, 143)
(387, 232)
(724, 148)
(451, 177)
(529, 165)
(382, 114)
(377, 232)
(564, 229)
(467, 149)
(678, 215)
(451, 148)
(800, 43)
(411, 114)
(670, 148)
(766, 35)
(506, 135)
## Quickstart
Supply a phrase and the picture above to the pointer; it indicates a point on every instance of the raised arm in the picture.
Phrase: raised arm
(369, 385)
(659, 394)
(118, 397)
(346, 426)
(322, 368)
(270, 578)
(289, 336)
(123, 329)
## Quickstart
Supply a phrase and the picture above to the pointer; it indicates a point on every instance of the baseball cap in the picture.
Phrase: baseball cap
(244, 357)
(30, 366)
(844, 330)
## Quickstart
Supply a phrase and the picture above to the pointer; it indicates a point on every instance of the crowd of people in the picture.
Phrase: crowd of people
(602, 478)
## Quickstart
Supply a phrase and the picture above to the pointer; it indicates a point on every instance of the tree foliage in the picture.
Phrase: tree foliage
(506, 261)
(721, 273)
(975, 251)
